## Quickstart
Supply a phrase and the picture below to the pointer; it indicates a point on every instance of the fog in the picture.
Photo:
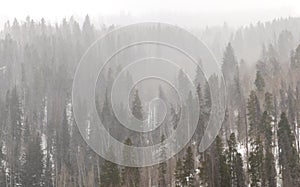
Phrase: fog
(191, 13)
(210, 99)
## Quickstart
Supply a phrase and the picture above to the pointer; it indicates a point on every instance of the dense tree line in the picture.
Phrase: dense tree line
(40, 144)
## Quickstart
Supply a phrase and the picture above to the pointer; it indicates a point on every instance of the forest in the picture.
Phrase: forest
(258, 144)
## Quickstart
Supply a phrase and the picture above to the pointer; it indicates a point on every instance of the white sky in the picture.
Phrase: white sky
(188, 12)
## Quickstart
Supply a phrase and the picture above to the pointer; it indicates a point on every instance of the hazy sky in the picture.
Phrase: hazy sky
(187, 12)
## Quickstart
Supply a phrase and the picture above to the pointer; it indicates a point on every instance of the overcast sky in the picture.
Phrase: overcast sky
(185, 12)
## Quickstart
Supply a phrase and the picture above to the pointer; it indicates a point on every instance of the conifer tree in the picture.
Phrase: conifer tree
(65, 141)
(295, 58)
(130, 175)
(235, 163)
(256, 162)
(32, 169)
(205, 174)
(207, 99)
(189, 168)
(137, 106)
(202, 117)
(110, 174)
(269, 103)
(229, 66)
(222, 178)
(288, 156)
(253, 113)
(240, 173)
(199, 77)
(2, 167)
(16, 134)
(179, 174)
(269, 176)
(162, 167)
(259, 82)
(183, 83)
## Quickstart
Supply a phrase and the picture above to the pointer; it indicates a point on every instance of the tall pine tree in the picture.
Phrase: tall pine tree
(288, 156)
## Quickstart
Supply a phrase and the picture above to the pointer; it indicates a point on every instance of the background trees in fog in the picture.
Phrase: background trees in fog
(40, 144)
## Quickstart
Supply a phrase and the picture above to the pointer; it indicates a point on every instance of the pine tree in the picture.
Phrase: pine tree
(137, 106)
(183, 83)
(179, 174)
(270, 170)
(295, 58)
(87, 30)
(240, 173)
(214, 168)
(241, 126)
(207, 99)
(253, 113)
(229, 65)
(288, 156)
(2, 167)
(32, 169)
(269, 177)
(162, 168)
(26, 133)
(199, 94)
(16, 131)
(110, 175)
(175, 117)
(205, 174)
(223, 170)
(199, 77)
(130, 175)
(65, 141)
(235, 163)
(259, 82)
(201, 122)
(236, 90)
(189, 168)
(106, 116)
(256, 162)
(269, 103)
(291, 108)
(256, 157)
(285, 44)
